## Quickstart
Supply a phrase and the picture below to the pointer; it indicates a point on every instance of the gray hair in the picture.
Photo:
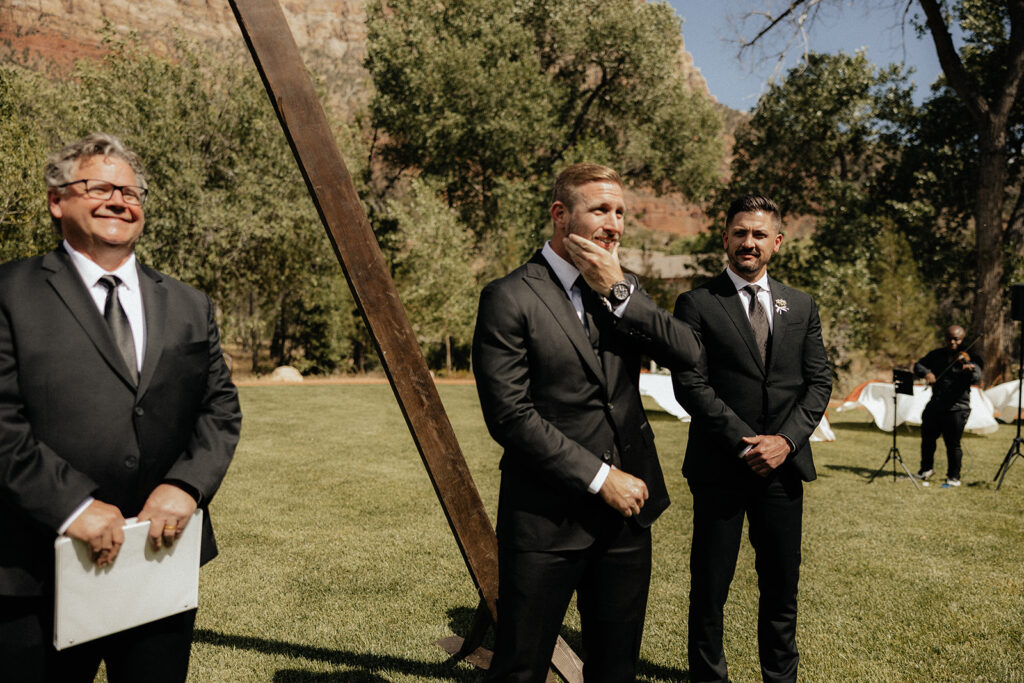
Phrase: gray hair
(60, 166)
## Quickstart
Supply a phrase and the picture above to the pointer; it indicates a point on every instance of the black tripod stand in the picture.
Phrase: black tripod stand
(903, 383)
(1014, 451)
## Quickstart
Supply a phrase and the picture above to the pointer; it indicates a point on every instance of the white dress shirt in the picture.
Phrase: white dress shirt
(131, 301)
(128, 292)
(764, 296)
(567, 274)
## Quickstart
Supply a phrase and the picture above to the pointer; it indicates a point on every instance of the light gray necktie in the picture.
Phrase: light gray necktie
(758, 321)
(119, 325)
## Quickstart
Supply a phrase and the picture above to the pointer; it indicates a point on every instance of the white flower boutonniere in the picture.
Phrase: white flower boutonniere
(781, 306)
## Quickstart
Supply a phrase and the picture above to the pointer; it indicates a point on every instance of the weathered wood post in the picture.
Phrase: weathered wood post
(305, 125)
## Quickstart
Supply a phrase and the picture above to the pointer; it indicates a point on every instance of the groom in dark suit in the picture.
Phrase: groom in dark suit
(115, 401)
(754, 400)
(557, 362)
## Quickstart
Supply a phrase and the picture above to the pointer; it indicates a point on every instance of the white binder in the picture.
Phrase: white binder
(142, 584)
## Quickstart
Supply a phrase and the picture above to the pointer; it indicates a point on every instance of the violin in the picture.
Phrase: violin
(963, 359)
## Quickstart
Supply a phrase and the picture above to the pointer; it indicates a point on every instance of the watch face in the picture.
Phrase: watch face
(620, 291)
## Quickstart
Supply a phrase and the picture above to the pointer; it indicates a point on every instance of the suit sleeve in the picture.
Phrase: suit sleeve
(693, 390)
(215, 434)
(817, 379)
(503, 379)
(668, 340)
(33, 478)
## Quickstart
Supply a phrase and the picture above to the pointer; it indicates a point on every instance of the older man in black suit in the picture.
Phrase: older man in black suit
(754, 400)
(115, 401)
(557, 362)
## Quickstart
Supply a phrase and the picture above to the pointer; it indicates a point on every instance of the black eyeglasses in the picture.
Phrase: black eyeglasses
(101, 189)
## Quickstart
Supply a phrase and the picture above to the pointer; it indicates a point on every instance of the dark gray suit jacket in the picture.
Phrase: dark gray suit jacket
(731, 394)
(560, 410)
(72, 424)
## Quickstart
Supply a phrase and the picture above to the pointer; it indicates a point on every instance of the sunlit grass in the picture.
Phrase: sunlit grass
(337, 563)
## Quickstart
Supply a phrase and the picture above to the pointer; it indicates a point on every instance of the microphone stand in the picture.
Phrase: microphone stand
(898, 382)
(1015, 447)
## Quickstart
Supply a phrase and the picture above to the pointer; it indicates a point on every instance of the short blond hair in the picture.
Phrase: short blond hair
(576, 176)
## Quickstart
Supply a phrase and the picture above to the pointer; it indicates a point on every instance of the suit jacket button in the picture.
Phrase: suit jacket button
(139, 411)
(130, 462)
(607, 456)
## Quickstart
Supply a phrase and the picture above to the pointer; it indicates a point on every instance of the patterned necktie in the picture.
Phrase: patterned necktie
(119, 326)
(758, 321)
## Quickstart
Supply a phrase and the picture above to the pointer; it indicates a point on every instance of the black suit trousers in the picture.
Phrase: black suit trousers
(157, 652)
(774, 510)
(611, 579)
(949, 424)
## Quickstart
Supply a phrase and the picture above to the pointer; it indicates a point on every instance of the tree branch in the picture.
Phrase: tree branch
(785, 14)
(1015, 64)
(953, 68)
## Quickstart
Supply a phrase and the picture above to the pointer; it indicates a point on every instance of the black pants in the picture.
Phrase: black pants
(155, 652)
(774, 510)
(611, 580)
(950, 425)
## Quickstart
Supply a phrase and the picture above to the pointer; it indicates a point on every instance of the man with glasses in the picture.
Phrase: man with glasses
(950, 371)
(115, 401)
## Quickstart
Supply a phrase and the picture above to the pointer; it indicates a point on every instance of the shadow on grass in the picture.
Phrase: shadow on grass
(862, 472)
(365, 665)
(300, 676)
(901, 430)
(461, 618)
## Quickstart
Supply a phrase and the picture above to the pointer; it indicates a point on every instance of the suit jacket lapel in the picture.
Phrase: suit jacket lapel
(72, 291)
(154, 307)
(549, 290)
(725, 291)
(778, 317)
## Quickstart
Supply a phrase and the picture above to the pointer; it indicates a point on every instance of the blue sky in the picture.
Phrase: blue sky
(710, 31)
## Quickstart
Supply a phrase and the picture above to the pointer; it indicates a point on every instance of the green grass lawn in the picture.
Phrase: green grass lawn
(337, 564)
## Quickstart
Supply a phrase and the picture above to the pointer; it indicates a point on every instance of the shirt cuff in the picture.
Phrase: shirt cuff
(74, 515)
(619, 310)
(599, 478)
(743, 453)
(792, 446)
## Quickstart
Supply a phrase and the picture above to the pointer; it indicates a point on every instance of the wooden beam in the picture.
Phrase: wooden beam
(305, 125)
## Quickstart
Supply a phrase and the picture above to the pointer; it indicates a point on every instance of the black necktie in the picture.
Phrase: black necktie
(590, 307)
(119, 326)
(758, 321)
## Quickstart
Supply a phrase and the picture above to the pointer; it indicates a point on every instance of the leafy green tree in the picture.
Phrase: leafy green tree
(901, 310)
(433, 268)
(24, 223)
(491, 98)
(818, 137)
(228, 210)
(987, 76)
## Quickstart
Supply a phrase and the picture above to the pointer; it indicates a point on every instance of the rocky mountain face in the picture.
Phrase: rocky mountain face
(330, 33)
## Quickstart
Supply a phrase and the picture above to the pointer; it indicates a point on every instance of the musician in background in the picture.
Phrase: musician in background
(950, 372)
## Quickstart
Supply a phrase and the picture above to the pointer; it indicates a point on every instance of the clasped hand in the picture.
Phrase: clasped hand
(767, 452)
(101, 525)
(624, 492)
